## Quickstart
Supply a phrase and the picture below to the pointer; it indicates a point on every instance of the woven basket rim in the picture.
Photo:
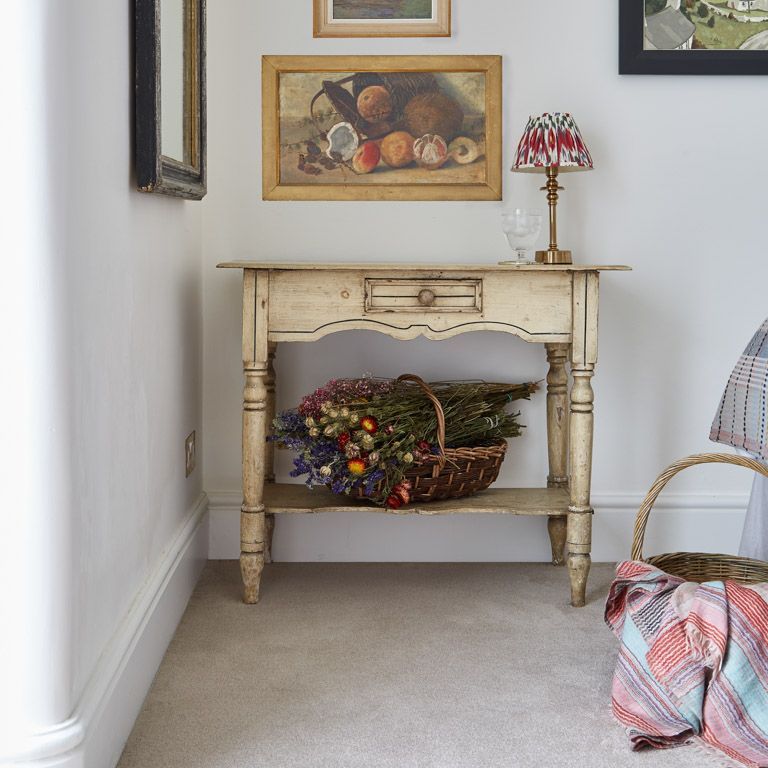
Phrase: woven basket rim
(486, 446)
(721, 567)
(711, 567)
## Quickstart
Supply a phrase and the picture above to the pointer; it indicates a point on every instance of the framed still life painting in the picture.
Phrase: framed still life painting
(381, 127)
(382, 18)
(693, 37)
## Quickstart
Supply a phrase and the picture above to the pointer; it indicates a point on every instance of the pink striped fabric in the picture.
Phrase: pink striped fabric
(693, 662)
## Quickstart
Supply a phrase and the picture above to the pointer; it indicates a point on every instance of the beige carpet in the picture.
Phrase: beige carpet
(403, 666)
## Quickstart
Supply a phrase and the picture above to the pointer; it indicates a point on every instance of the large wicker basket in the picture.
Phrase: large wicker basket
(698, 566)
(455, 472)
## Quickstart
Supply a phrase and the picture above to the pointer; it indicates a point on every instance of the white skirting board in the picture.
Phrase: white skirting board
(96, 733)
(693, 522)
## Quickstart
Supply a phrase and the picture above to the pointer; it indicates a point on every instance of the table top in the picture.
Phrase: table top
(409, 267)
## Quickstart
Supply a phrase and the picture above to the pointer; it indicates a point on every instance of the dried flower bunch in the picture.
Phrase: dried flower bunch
(368, 432)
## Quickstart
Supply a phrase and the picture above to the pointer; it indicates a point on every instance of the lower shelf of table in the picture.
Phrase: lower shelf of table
(284, 498)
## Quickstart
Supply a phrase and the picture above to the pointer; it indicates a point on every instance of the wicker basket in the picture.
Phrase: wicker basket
(455, 472)
(698, 566)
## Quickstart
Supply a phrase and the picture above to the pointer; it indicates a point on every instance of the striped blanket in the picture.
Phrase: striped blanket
(693, 662)
(740, 420)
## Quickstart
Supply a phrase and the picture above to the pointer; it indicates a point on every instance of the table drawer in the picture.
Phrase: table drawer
(305, 305)
(423, 295)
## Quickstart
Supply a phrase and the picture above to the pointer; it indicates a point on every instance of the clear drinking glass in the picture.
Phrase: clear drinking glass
(522, 229)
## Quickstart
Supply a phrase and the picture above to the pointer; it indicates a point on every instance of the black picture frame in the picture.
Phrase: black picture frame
(154, 171)
(634, 60)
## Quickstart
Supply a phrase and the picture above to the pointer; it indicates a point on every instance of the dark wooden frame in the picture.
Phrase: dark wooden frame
(154, 171)
(634, 60)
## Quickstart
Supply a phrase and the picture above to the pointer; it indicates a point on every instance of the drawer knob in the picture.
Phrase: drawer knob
(426, 297)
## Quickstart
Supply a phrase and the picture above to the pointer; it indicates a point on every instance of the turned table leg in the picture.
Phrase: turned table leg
(269, 475)
(583, 359)
(580, 510)
(255, 366)
(557, 440)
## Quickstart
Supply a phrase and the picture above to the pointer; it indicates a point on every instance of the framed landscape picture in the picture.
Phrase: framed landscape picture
(382, 18)
(693, 37)
(381, 127)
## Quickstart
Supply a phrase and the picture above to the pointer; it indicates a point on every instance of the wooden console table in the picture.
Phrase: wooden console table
(555, 305)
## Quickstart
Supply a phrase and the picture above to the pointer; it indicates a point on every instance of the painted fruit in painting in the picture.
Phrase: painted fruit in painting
(366, 158)
(342, 142)
(374, 104)
(433, 113)
(397, 149)
(431, 151)
(382, 9)
(463, 150)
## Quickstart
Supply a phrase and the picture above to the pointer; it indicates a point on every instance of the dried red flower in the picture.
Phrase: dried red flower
(342, 440)
(394, 502)
(402, 491)
(369, 424)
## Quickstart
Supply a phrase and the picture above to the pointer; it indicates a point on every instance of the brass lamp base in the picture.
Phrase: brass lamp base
(553, 256)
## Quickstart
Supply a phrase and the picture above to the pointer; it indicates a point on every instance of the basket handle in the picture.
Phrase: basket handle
(413, 378)
(644, 512)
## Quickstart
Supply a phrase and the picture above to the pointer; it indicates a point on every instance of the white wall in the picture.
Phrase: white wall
(135, 296)
(674, 194)
(35, 524)
(107, 336)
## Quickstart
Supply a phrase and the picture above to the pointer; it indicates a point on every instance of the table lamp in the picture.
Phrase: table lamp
(552, 144)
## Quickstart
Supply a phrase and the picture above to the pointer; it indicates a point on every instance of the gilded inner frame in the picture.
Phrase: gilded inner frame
(382, 18)
(310, 102)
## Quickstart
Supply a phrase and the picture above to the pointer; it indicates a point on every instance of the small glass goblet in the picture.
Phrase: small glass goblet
(522, 229)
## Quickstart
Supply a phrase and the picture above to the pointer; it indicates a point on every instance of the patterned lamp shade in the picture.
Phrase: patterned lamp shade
(552, 140)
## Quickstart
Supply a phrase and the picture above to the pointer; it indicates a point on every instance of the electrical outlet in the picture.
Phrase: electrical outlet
(189, 453)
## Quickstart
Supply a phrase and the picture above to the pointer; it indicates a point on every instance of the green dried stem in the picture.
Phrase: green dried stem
(474, 411)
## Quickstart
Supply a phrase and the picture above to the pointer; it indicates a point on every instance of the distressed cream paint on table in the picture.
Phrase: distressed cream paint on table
(555, 305)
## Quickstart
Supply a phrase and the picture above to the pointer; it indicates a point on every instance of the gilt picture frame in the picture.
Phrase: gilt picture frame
(382, 127)
(692, 37)
(382, 18)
